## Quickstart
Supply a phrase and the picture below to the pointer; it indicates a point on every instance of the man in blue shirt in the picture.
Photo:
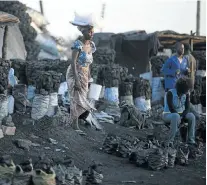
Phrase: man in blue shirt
(175, 67)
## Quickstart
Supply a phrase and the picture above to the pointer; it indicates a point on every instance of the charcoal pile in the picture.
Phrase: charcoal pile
(154, 156)
(111, 75)
(4, 71)
(131, 117)
(158, 159)
(104, 56)
(123, 73)
(201, 129)
(20, 97)
(119, 146)
(7, 169)
(94, 175)
(140, 157)
(182, 154)
(157, 63)
(43, 173)
(195, 95)
(29, 34)
(146, 153)
(68, 173)
(200, 57)
(49, 80)
(203, 93)
(96, 73)
(125, 89)
(19, 67)
(141, 87)
(156, 112)
(59, 66)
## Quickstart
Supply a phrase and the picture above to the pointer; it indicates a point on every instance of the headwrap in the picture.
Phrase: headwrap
(82, 29)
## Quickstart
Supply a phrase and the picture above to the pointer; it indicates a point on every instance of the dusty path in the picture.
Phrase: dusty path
(86, 149)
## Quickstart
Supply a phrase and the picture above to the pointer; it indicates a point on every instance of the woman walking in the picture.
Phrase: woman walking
(78, 74)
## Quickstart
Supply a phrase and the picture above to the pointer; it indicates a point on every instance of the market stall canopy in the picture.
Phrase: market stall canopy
(169, 38)
(6, 18)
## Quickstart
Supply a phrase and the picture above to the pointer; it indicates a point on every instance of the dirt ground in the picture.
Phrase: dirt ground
(86, 149)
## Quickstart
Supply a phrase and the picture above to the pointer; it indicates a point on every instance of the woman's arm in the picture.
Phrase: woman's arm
(75, 54)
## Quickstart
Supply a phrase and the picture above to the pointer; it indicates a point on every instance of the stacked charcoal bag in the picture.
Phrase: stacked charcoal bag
(111, 75)
(4, 72)
(123, 73)
(200, 57)
(119, 146)
(7, 169)
(23, 173)
(195, 95)
(201, 129)
(20, 98)
(104, 56)
(40, 105)
(203, 93)
(126, 92)
(68, 173)
(131, 116)
(43, 173)
(33, 68)
(182, 153)
(19, 67)
(158, 159)
(94, 175)
(157, 63)
(153, 155)
(142, 94)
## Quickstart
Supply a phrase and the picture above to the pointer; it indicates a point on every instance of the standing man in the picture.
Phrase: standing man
(175, 67)
(192, 63)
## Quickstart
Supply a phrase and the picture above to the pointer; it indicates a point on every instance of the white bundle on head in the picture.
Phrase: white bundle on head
(87, 20)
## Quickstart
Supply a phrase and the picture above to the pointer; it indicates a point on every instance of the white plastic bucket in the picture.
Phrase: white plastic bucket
(94, 91)
(140, 103)
(51, 111)
(147, 76)
(112, 94)
(201, 73)
(148, 104)
(53, 99)
(30, 92)
(198, 108)
(157, 89)
(63, 88)
(102, 92)
(10, 104)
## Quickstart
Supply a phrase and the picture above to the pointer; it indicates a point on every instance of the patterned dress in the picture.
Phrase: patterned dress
(78, 99)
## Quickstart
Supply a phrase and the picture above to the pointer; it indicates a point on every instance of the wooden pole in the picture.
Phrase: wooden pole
(103, 12)
(198, 17)
(41, 7)
(5, 43)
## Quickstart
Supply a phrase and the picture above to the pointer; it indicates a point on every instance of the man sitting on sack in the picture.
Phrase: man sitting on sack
(177, 109)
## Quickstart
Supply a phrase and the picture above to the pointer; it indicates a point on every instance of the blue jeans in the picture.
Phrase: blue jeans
(174, 119)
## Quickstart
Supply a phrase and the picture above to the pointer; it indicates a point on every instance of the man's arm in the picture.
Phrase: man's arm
(167, 68)
(170, 102)
(187, 106)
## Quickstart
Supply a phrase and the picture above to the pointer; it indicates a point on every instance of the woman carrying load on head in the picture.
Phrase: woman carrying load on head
(78, 73)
